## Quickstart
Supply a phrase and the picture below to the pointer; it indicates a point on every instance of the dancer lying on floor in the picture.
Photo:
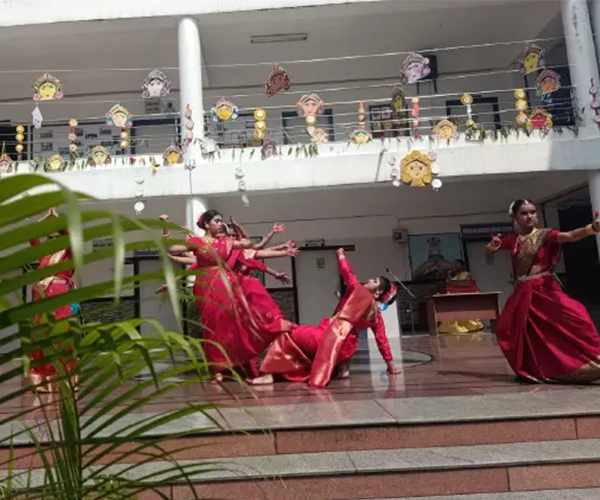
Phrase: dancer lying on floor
(314, 353)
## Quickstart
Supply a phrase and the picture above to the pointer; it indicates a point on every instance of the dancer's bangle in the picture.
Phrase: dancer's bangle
(590, 230)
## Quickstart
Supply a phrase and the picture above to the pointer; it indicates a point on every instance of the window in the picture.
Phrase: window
(486, 111)
(294, 127)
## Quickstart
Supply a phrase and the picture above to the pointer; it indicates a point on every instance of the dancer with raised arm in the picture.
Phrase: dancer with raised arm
(313, 353)
(545, 335)
(42, 375)
(229, 321)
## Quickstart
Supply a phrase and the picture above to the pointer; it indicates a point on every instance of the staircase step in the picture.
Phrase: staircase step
(583, 494)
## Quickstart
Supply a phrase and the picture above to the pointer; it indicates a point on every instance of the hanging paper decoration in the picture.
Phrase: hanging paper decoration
(278, 81)
(547, 83)
(36, 118)
(119, 116)
(6, 163)
(156, 85)
(73, 137)
(467, 100)
(260, 125)
(521, 106)
(417, 169)
(309, 107)
(47, 88)
(99, 156)
(394, 172)
(268, 149)
(445, 130)
(595, 105)
(540, 119)
(317, 135)
(189, 125)
(224, 110)
(139, 207)
(56, 163)
(242, 187)
(415, 115)
(360, 135)
(415, 68)
(399, 114)
(172, 156)
(20, 137)
(532, 59)
(209, 146)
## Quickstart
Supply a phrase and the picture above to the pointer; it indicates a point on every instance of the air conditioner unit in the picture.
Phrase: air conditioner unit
(400, 236)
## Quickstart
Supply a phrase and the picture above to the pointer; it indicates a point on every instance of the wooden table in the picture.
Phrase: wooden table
(462, 306)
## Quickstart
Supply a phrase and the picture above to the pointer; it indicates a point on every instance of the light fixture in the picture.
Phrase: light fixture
(287, 37)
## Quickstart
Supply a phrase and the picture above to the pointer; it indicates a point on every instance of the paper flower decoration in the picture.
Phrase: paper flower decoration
(224, 110)
(532, 59)
(445, 129)
(540, 119)
(278, 81)
(99, 156)
(156, 85)
(415, 68)
(172, 156)
(47, 88)
(416, 169)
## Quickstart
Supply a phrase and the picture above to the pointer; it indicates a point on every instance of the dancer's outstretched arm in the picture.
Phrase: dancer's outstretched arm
(579, 234)
(269, 253)
(277, 228)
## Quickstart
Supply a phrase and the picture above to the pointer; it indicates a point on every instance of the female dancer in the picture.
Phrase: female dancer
(238, 333)
(545, 335)
(42, 374)
(313, 352)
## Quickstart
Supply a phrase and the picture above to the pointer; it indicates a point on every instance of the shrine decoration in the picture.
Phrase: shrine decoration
(156, 85)
(445, 130)
(260, 124)
(56, 163)
(415, 68)
(532, 59)
(540, 119)
(73, 123)
(309, 107)
(278, 81)
(361, 135)
(6, 163)
(120, 117)
(189, 125)
(99, 156)
(268, 149)
(417, 169)
(20, 138)
(224, 110)
(172, 156)
(521, 105)
(47, 88)
(547, 83)
(415, 116)
(37, 119)
(594, 104)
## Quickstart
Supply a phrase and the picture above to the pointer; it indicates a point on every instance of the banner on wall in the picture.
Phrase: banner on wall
(470, 232)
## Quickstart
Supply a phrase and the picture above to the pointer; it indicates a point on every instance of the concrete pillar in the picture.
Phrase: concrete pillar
(594, 7)
(194, 206)
(583, 64)
(190, 75)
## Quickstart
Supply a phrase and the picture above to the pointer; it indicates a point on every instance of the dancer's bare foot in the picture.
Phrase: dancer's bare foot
(262, 380)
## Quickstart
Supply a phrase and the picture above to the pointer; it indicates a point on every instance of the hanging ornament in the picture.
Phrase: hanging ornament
(56, 163)
(278, 81)
(547, 83)
(20, 137)
(415, 68)
(260, 125)
(119, 116)
(47, 88)
(360, 135)
(540, 119)
(417, 169)
(436, 184)
(399, 116)
(224, 110)
(445, 130)
(172, 156)
(532, 59)
(521, 106)
(309, 107)
(99, 156)
(394, 171)
(139, 207)
(415, 115)
(268, 149)
(6, 163)
(189, 125)
(595, 105)
(245, 200)
(241, 184)
(36, 118)
(156, 85)
(73, 137)
(317, 135)
(467, 100)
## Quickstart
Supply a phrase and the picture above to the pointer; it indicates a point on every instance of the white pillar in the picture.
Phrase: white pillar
(594, 7)
(194, 206)
(583, 64)
(190, 75)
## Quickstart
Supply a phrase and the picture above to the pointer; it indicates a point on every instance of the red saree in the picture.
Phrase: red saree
(311, 353)
(61, 283)
(545, 335)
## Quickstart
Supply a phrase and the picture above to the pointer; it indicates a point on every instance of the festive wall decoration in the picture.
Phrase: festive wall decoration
(394, 171)
(521, 105)
(120, 117)
(268, 149)
(360, 135)
(73, 137)
(37, 118)
(156, 85)
(594, 104)
(6, 163)
(189, 125)
(318, 135)
(224, 110)
(278, 81)
(309, 107)
(209, 146)
(445, 130)
(416, 169)
(415, 68)
(242, 187)
(547, 83)
(415, 115)
(99, 156)
(260, 124)
(467, 100)
(540, 119)
(532, 59)
(399, 114)
(47, 88)
(56, 163)
(172, 156)
(20, 137)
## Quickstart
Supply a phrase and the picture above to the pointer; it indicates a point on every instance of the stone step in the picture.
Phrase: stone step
(582, 494)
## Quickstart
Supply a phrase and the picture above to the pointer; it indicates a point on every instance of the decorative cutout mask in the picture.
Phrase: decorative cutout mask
(172, 156)
(360, 135)
(56, 163)
(532, 59)
(6, 163)
(445, 129)
(47, 88)
(156, 85)
(415, 68)
(278, 81)
(99, 156)
(318, 135)
(269, 149)
(547, 83)
(224, 111)
(119, 116)
(540, 119)
(416, 169)
(311, 105)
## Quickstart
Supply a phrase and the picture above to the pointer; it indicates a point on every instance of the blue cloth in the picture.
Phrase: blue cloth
(75, 309)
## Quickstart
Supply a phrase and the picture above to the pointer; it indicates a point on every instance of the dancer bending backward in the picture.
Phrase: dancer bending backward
(545, 335)
(228, 319)
(313, 353)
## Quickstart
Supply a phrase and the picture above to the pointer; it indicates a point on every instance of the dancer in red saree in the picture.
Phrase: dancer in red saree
(545, 335)
(313, 353)
(42, 374)
(227, 317)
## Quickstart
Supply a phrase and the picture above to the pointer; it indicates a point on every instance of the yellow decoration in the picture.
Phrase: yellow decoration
(520, 94)
(99, 156)
(466, 99)
(416, 169)
(19, 148)
(172, 156)
(20, 129)
(55, 163)
(445, 129)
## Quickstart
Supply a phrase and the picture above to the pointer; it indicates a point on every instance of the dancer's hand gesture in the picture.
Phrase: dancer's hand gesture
(496, 241)
(278, 228)
(341, 252)
(292, 251)
(284, 278)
